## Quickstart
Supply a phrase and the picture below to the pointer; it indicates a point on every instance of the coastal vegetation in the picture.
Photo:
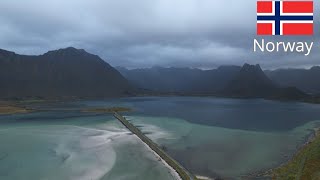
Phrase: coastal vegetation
(10, 109)
(107, 110)
(305, 165)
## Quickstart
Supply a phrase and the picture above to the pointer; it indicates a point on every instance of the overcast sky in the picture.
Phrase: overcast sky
(145, 33)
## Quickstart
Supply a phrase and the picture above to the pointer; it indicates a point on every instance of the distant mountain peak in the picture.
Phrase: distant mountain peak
(248, 67)
(5, 53)
(69, 51)
(157, 67)
(315, 68)
(250, 82)
(72, 49)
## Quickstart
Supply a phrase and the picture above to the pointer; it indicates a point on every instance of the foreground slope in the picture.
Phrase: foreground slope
(304, 165)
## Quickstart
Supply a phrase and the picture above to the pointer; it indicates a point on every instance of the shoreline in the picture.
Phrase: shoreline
(270, 172)
(305, 164)
(173, 172)
(181, 171)
(10, 109)
(199, 177)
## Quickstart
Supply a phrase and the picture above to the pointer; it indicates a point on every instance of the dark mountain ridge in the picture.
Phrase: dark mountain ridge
(65, 72)
(71, 72)
(196, 80)
(251, 82)
(248, 81)
(305, 79)
(183, 80)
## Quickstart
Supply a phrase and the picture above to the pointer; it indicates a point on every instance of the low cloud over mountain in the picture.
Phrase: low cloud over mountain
(182, 33)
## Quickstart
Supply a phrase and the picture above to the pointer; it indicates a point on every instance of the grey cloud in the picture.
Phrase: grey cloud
(143, 33)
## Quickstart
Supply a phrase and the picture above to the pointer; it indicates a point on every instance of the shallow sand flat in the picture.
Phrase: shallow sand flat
(74, 148)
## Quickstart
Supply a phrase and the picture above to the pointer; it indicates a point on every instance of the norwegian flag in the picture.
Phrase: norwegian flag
(285, 17)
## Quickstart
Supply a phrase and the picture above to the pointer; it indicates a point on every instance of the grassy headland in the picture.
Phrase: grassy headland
(305, 165)
(11, 108)
(107, 110)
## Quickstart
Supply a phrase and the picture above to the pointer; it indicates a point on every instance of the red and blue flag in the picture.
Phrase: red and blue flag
(285, 17)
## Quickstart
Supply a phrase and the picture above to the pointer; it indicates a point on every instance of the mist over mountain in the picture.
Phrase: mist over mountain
(248, 81)
(304, 79)
(197, 80)
(185, 80)
(66, 72)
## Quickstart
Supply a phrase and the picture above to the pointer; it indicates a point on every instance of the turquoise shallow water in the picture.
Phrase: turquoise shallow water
(222, 137)
(210, 136)
(60, 146)
(216, 151)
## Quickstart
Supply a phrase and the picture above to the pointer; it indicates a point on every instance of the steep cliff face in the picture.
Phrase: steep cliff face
(251, 82)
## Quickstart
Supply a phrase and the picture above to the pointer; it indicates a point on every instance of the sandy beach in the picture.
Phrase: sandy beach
(174, 173)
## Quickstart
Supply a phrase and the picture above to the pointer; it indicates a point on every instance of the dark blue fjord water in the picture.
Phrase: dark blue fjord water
(252, 114)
